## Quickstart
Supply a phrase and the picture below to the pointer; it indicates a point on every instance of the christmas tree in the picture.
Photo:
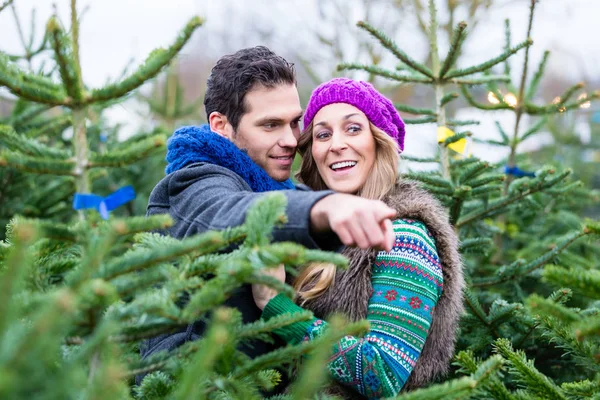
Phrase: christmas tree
(80, 290)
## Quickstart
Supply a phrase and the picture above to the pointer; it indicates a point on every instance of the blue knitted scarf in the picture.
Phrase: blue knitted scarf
(192, 144)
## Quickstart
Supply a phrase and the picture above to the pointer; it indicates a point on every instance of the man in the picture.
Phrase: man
(217, 171)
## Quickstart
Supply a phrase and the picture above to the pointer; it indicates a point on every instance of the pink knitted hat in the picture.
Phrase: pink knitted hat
(362, 95)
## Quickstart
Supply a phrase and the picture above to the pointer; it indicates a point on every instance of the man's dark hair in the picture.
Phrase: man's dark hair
(236, 74)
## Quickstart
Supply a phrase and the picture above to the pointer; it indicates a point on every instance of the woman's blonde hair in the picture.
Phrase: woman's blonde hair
(315, 278)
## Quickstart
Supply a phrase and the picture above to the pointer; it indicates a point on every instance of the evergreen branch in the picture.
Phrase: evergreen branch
(260, 327)
(475, 245)
(502, 132)
(414, 110)
(585, 282)
(504, 202)
(5, 4)
(63, 53)
(29, 87)
(455, 122)
(456, 137)
(155, 62)
(130, 154)
(419, 121)
(519, 270)
(494, 388)
(490, 63)
(471, 100)
(24, 117)
(420, 159)
(473, 303)
(507, 44)
(313, 372)
(484, 375)
(293, 352)
(537, 77)
(458, 37)
(50, 128)
(494, 178)
(391, 46)
(525, 372)
(587, 327)
(480, 80)
(133, 225)
(138, 260)
(542, 308)
(261, 219)
(30, 147)
(448, 98)
(472, 171)
(14, 271)
(36, 165)
(533, 129)
(581, 390)
(193, 382)
(433, 180)
(532, 109)
(372, 69)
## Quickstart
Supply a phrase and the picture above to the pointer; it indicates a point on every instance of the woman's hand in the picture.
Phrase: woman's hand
(263, 294)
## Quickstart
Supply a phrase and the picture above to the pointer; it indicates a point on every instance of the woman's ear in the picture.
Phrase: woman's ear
(220, 125)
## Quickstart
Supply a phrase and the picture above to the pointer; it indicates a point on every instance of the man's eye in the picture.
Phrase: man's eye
(270, 125)
(295, 124)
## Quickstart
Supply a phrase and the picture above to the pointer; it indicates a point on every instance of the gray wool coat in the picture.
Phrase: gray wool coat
(351, 290)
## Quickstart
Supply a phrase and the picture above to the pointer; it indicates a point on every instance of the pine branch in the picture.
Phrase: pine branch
(138, 260)
(63, 54)
(129, 154)
(391, 46)
(15, 269)
(372, 69)
(433, 180)
(480, 80)
(537, 77)
(519, 270)
(461, 388)
(475, 245)
(133, 225)
(36, 165)
(448, 98)
(494, 388)
(585, 282)
(155, 62)
(500, 204)
(419, 121)
(50, 128)
(472, 171)
(490, 63)
(420, 159)
(260, 327)
(526, 374)
(25, 146)
(28, 86)
(5, 4)
(458, 37)
(414, 110)
(533, 129)
(471, 100)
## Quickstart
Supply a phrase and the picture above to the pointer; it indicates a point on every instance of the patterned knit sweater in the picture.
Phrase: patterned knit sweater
(407, 283)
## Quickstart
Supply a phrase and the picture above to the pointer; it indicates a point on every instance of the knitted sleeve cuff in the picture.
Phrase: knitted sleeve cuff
(279, 305)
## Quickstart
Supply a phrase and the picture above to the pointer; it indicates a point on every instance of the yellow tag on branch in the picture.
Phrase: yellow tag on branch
(459, 146)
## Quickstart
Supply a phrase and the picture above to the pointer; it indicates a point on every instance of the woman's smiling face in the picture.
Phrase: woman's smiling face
(343, 147)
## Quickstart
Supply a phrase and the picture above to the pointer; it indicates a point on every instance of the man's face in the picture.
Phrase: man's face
(270, 129)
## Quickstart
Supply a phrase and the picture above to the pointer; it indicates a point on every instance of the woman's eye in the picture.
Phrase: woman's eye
(354, 128)
(322, 135)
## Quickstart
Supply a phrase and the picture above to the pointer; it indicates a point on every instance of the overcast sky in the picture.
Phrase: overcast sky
(114, 31)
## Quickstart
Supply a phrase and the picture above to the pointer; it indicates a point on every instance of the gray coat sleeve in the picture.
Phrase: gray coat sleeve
(207, 197)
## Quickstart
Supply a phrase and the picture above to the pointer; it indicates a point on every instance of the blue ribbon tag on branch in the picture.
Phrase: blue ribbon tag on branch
(516, 171)
(104, 205)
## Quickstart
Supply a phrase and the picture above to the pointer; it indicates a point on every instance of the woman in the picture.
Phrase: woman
(412, 295)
